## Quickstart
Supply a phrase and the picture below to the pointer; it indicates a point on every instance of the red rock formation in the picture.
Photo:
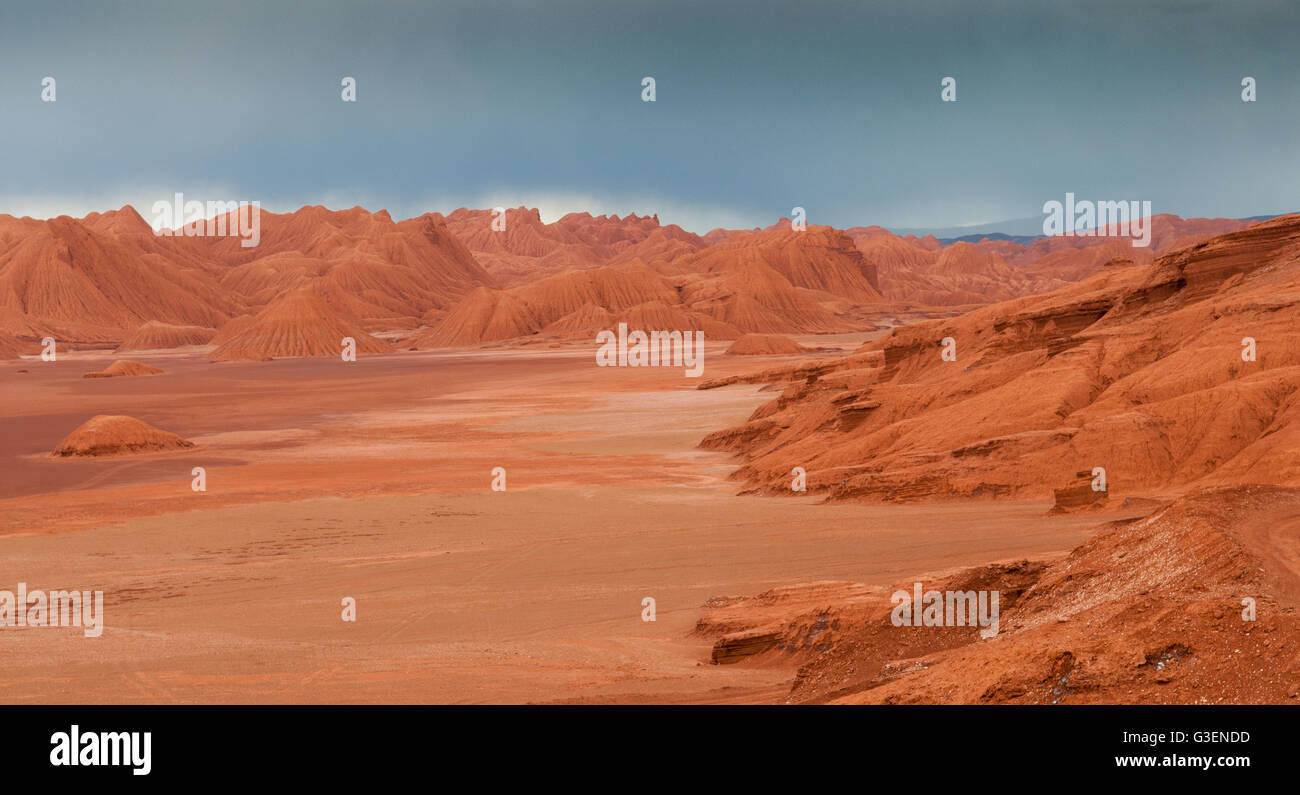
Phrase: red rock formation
(124, 367)
(300, 324)
(764, 345)
(923, 272)
(159, 336)
(1137, 370)
(97, 279)
(1147, 611)
(384, 274)
(486, 315)
(819, 258)
(1150, 610)
(112, 434)
(1080, 495)
(90, 279)
(528, 249)
(575, 304)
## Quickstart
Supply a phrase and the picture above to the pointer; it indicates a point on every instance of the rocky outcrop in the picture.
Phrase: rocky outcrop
(114, 434)
(1180, 373)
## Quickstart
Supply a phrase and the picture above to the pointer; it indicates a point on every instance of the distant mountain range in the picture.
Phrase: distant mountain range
(319, 275)
(1020, 230)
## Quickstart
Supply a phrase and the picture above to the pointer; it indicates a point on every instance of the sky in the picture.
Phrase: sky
(760, 107)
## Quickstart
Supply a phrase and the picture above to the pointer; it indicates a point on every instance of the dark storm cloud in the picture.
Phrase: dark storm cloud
(761, 106)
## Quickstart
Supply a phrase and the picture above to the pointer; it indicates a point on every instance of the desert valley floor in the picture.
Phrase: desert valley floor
(371, 480)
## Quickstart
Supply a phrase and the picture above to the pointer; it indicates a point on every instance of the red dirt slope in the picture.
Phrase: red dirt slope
(300, 324)
(159, 336)
(1147, 611)
(1137, 370)
(90, 279)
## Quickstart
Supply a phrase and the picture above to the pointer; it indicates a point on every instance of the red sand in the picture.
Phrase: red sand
(464, 594)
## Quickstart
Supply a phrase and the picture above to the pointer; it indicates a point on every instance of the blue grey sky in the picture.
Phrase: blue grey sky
(761, 106)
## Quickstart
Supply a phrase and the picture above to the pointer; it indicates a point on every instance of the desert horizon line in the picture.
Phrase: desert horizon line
(942, 232)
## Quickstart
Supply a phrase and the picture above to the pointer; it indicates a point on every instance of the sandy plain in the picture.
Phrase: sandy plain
(371, 480)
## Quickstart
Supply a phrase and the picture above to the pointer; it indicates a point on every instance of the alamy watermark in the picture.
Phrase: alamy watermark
(946, 609)
(653, 349)
(53, 609)
(214, 219)
(94, 749)
(1098, 219)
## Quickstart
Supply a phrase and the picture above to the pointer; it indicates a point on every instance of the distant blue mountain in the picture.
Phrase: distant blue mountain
(1021, 230)
(1023, 240)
